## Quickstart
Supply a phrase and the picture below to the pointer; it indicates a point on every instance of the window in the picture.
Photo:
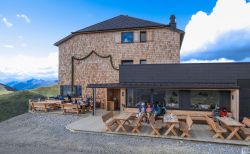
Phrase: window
(66, 90)
(204, 100)
(171, 99)
(137, 95)
(164, 97)
(127, 37)
(143, 61)
(127, 62)
(143, 36)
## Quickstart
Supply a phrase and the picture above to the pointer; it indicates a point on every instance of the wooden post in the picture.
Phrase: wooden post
(94, 101)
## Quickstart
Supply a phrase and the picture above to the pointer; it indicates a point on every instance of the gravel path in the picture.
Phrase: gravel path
(46, 133)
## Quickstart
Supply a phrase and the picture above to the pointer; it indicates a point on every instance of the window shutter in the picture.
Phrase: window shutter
(117, 37)
(137, 36)
(150, 35)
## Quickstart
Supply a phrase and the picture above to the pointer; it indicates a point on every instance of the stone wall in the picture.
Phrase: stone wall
(162, 46)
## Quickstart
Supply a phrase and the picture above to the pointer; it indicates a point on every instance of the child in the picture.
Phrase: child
(148, 111)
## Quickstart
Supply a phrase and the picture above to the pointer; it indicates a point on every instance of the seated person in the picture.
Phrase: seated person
(60, 97)
(80, 101)
(87, 101)
(75, 101)
(223, 112)
(156, 110)
(69, 98)
(216, 112)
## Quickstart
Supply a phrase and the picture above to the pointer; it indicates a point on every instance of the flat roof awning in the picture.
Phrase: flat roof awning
(167, 85)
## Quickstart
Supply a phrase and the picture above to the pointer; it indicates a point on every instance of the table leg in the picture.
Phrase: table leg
(170, 129)
(234, 133)
(120, 126)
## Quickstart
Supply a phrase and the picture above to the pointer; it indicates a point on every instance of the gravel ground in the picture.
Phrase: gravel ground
(46, 133)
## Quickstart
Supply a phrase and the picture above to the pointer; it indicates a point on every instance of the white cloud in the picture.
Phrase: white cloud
(220, 60)
(25, 17)
(25, 66)
(204, 30)
(8, 46)
(7, 23)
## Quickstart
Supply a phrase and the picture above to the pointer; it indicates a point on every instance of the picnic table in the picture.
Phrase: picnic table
(232, 125)
(171, 121)
(121, 119)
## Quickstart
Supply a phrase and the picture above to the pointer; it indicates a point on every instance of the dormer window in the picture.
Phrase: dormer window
(127, 37)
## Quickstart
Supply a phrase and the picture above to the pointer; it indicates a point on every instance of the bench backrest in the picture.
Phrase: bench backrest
(107, 116)
(246, 121)
(37, 105)
(70, 106)
(190, 113)
(131, 110)
(189, 121)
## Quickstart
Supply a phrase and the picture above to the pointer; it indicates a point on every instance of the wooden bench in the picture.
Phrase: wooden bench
(71, 108)
(108, 120)
(216, 128)
(195, 115)
(38, 106)
(186, 126)
(42, 106)
(246, 128)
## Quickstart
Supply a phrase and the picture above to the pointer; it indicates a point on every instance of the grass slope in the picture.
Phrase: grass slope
(47, 91)
(15, 103)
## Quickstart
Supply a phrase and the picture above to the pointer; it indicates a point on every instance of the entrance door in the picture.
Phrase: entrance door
(113, 99)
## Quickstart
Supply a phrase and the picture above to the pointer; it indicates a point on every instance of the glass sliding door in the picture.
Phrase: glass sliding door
(179, 99)
(204, 99)
(164, 97)
(137, 95)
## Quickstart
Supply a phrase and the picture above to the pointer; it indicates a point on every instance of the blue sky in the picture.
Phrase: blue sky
(28, 29)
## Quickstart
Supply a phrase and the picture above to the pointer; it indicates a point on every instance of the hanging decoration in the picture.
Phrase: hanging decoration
(83, 58)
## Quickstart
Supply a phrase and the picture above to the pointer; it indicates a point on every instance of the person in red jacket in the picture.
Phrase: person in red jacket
(223, 112)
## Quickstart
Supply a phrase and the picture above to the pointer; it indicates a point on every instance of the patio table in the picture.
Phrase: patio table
(232, 125)
(170, 124)
(121, 119)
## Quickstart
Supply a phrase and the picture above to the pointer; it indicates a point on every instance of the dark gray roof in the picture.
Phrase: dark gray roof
(176, 85)
(121, 22)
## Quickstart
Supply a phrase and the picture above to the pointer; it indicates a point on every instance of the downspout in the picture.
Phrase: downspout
(72, 75)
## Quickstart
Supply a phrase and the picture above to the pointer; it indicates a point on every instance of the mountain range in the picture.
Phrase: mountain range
(31, 84)
(5, 89)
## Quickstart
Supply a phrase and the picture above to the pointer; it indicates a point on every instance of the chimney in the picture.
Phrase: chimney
(172, 22)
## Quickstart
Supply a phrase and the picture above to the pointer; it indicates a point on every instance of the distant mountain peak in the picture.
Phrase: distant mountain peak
(31, 84)
(7, 88)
